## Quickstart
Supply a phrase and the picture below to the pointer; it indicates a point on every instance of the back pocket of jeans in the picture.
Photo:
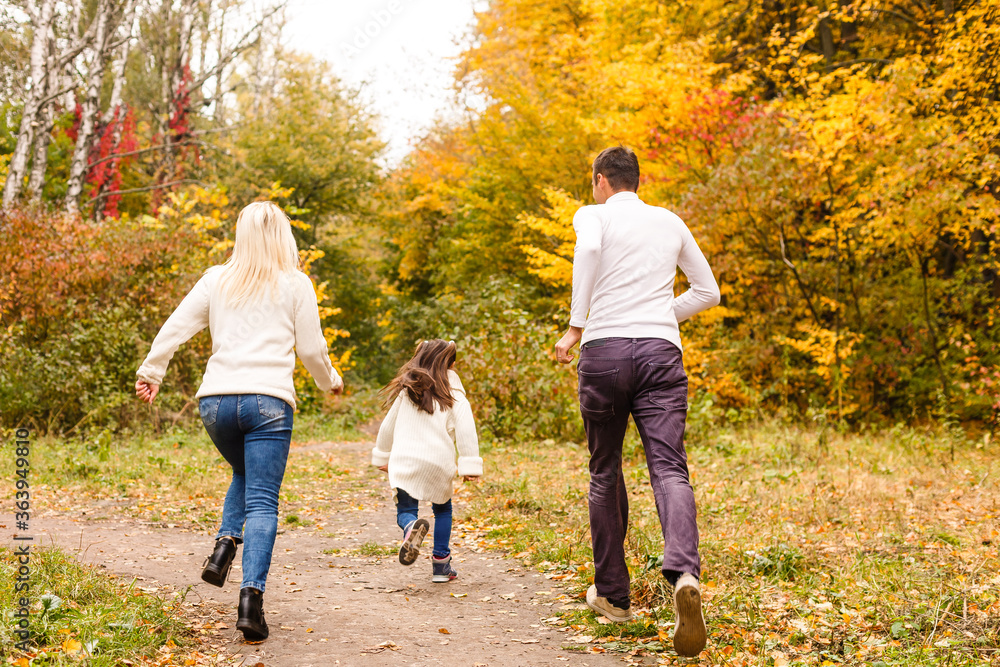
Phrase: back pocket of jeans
(597, 394)
(271, 407)
(670, 384)
(208, 408)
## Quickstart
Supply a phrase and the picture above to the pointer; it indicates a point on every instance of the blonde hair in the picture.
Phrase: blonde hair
(264, 249)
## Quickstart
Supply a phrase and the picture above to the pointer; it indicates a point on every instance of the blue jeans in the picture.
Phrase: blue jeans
(253, 433)
(406, 513)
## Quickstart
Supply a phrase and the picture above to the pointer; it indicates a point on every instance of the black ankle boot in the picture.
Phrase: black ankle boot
(218, 564)
(251, 615)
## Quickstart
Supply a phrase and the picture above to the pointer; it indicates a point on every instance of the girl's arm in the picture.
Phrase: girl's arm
(383, 443)
(190, 317)
(466, 439)
(309, 342)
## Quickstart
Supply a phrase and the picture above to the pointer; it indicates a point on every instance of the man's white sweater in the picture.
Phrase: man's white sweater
(626, 259)
(420, 447)
(254, 346)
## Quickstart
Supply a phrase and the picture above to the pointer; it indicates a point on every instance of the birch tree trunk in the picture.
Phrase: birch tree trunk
(43, 133)
(90, 107)
(217, 111)
(42, 18)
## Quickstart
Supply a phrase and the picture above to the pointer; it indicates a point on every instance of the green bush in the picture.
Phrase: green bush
(506, 360)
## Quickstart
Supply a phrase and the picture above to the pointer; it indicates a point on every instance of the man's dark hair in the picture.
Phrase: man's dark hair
(620, 166)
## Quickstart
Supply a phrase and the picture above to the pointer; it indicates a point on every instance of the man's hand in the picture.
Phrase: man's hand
(566, 343)
(146, 390)
(470, 478)
(384, 468)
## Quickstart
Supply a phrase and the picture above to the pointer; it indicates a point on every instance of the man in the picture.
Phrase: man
(626, 318)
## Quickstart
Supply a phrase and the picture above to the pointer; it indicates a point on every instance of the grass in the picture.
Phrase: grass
(817, 548)
(173, 478)
(81, 614)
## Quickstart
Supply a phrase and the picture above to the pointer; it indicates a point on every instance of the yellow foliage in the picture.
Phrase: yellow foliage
(553, 267)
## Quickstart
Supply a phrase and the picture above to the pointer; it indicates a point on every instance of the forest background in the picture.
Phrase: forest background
(837, 161)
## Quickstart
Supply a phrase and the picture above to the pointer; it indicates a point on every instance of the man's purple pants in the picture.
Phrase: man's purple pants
(643, 377)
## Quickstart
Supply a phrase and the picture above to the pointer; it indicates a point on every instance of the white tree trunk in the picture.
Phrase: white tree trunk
(43, 133)
(217, 111)
(90, 107)
(42, 19)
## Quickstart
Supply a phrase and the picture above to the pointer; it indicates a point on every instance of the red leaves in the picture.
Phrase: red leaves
(716, 120)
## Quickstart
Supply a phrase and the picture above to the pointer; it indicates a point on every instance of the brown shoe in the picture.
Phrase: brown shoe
(690, 634)
(602, 607)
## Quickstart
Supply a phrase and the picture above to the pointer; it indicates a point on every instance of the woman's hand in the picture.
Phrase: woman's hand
(384, 468)
(470, 478)
(146, 391)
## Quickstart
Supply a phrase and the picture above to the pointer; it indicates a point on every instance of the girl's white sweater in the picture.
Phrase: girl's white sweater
(420, 448)
(253, 347)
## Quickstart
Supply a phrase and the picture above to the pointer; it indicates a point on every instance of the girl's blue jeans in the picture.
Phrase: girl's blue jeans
(253, 433)
(406, 513)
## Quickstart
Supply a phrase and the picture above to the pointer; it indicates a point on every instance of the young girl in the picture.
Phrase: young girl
(429, 415)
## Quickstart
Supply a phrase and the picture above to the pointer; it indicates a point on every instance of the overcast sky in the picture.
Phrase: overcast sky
(401, 50)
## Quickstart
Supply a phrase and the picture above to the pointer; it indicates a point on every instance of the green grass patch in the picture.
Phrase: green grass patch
(375, 550)
(81, 614)
(818, 547)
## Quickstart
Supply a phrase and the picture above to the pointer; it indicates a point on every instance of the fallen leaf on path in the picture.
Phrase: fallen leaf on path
(459, 595)
(486, 599)
(381, 647)
(525, 641)
(603, 620)
(582, 639)
(444, 631)
(71, 646)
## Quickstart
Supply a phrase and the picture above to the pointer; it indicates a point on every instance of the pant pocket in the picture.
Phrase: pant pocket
(208, 408)
(271, 407)
(597, 394)
(670, 384)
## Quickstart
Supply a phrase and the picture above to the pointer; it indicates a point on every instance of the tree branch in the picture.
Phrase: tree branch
(148, 188)
(857, 61)
(241, 46)
(148, 149)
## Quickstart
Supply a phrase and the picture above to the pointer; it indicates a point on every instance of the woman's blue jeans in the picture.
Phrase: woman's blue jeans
(253, 433)
(406, 513)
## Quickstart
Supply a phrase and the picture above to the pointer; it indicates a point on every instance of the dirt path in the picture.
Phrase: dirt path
(326, 607)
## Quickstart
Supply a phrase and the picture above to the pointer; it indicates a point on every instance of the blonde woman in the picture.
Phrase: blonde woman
(261, 309)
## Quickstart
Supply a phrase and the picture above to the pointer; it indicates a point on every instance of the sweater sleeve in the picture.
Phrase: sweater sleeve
(586, 261)
(309, 342)
(466, 438)
(704, 291)
(383, 442)
(190, 317)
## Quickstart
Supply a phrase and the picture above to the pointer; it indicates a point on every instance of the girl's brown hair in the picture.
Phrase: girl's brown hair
(424, 378)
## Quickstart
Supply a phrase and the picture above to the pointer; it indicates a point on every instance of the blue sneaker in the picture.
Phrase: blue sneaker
(443, 571)
(414, 535)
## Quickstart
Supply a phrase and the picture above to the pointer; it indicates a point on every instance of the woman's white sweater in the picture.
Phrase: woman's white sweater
(420, 448)
(253, 347)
